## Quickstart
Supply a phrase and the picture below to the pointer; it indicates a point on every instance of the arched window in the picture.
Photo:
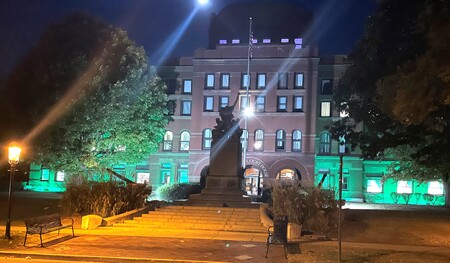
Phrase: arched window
(259, 140)
(185, 138)
(286, 174)
(207, 136)
(168, 141)
(280, 143)
(244, 138)
(296, 141)
(325, 143)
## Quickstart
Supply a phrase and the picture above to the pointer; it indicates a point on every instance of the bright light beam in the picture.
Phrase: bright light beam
(202, 2)
(167, 47)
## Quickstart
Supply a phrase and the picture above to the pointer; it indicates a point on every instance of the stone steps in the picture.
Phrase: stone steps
(189, 218)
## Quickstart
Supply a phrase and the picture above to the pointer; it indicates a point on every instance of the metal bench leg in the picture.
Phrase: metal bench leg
(25, 240)
(267, 250)
(285, 252)
(73, 233)
(58, 231)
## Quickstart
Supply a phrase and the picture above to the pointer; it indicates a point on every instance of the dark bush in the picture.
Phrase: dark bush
(103, 198)
(176, 191)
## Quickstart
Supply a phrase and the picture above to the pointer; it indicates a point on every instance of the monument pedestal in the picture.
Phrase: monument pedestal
(224, 181)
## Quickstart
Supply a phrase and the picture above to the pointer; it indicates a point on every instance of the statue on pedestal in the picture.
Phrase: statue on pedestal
(226, 125)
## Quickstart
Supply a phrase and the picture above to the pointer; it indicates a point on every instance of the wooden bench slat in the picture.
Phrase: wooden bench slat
(45, 224)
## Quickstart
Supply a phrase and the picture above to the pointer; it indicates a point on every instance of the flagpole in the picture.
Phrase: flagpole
(249, 53)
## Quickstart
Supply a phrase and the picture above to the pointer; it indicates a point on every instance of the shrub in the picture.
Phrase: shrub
(312, 207)
(176, 191)
(102, 198)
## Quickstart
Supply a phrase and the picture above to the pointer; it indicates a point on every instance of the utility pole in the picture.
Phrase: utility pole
(341, 164)
(247, 98)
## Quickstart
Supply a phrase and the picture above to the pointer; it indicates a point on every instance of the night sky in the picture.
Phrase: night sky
(338, 26)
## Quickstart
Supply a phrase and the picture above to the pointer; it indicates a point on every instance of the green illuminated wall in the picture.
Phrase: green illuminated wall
(363, 183)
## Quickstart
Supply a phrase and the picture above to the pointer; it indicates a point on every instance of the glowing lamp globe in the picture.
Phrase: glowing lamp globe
(14, 154)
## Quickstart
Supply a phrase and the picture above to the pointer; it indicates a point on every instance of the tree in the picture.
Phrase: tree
(88, 98)
(397, 87)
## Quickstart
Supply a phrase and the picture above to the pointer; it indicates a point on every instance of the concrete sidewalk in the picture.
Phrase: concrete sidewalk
(107, 245)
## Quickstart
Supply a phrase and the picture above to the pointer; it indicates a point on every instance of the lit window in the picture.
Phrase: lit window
(374, 186)
(207, 136)
(260, 103)
(60, 175)
(245, 83)
(186, 107)
(259, 140)
(45, 174)
(224, 100)
(142, 178)
(261, 81)
(283, 80)
(325, 143)
(187, 86)
(280, 140)
(326, 86)
(209, 81)
(404, 187)
(225, 81)
(298, 103)
(286, 174)
(168, 140)
(244, 103)
(208, 103)
(296, 141)
(343, 110)
(244, 138)
(299, 80)
(435, 188)
(185, 139)
(325, 109)
(281, 103)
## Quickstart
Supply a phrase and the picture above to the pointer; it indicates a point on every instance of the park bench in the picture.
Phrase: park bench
(46, 224)
(278, 234)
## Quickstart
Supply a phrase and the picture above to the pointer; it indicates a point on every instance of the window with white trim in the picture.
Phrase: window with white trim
(325, 109)
(280, 140)
(209, 81)
(296, 141)
(208, 103)
(206, 139)
(168, 141)
(224, 81)
(186, 106)
(185, 138)
(298, 81)
(261, 81)
(259, 140)
(187, 86)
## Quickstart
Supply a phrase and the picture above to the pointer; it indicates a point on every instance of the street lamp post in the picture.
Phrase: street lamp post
(247, 110)
(13, 159)
(341, 164)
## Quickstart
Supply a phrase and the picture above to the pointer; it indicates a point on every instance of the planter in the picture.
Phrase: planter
(294, 232)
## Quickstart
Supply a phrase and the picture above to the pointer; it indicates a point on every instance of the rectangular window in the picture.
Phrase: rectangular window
(187, 86)
(45, 174)
(260, 103)
(171, 104)
(245, 81)
(225, 81)
(60, 175)
(224, 100)
(325, 109)
(261, 81)
(244, 103)
(171, 85)
(209, 84)
(374, 186)
(404, 187)
(282, 103)
(283, 80)
(298, 103)
(142, 178)
(326, 86)
(299, 81)
(186, 107)
(208, 103)
(345, 183)
(435, 188)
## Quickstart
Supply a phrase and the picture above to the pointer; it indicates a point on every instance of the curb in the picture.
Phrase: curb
(27, 255)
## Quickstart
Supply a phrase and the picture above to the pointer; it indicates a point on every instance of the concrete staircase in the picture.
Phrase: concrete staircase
(198, 219)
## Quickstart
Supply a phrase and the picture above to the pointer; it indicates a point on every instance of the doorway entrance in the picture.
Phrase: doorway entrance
(253, 181)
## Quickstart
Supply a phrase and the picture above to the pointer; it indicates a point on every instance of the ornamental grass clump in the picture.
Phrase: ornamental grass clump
(312, 207)
(104, 199)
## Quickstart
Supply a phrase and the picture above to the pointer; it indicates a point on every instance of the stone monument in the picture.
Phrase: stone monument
(225, 174)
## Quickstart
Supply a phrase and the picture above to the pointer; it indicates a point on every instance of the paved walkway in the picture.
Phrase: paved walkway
(108, 245)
